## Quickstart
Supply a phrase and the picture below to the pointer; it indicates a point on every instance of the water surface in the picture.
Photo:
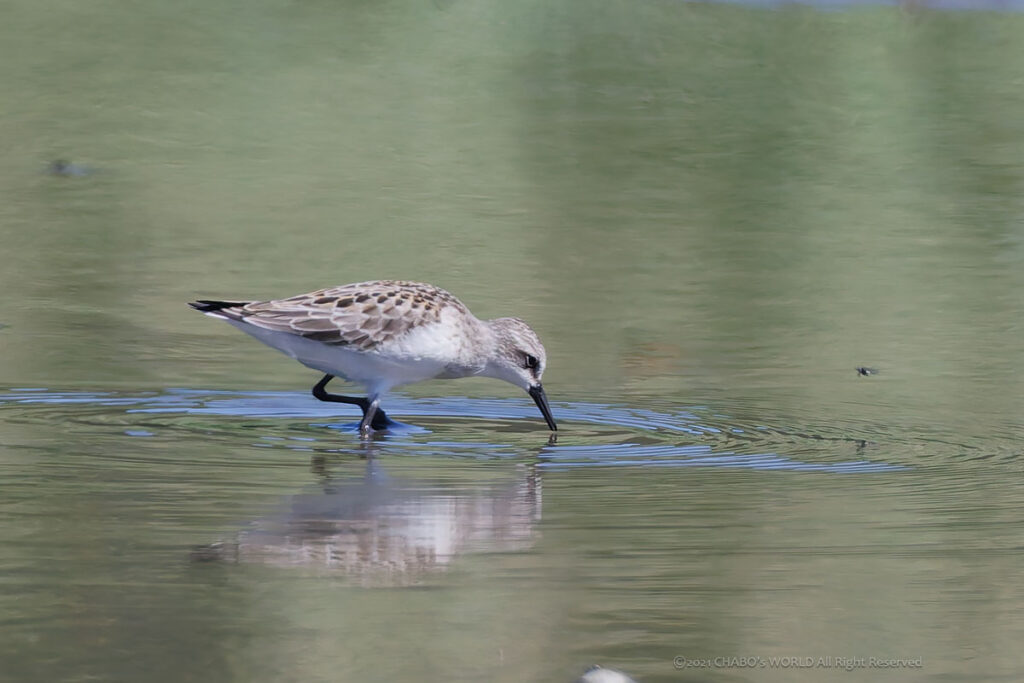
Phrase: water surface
(711, 213)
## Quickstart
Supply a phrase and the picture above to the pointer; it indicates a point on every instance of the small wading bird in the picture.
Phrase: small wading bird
(387, 333)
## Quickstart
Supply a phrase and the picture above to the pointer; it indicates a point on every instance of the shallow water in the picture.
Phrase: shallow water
(711, 213)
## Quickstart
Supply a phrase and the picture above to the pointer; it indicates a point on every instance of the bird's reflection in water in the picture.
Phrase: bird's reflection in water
(382, 531)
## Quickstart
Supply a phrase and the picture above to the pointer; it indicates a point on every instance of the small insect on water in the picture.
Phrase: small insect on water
(865, 371)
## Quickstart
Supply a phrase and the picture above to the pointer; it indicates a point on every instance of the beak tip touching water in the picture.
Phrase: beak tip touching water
(540, 398)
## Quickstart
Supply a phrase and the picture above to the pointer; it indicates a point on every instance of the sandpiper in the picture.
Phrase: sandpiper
(386, 333)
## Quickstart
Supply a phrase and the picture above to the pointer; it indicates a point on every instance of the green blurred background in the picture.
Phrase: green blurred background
(695, 204)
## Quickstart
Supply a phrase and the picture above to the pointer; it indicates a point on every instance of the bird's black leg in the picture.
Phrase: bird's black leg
(377, 419)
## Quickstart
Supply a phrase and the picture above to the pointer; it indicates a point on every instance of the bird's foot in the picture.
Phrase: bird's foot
(381, 421)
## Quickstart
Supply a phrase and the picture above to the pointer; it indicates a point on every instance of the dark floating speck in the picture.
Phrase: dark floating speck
(864, 371)
(67, 169)
(214, 552)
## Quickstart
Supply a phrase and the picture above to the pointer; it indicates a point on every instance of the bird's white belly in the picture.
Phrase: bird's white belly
(374, 370)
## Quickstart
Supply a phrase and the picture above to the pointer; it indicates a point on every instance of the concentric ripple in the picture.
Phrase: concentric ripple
(594, 434)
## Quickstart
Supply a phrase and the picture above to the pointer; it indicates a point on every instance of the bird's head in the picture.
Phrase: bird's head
(519, 358)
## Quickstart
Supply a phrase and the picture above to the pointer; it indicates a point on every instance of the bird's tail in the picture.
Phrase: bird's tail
(207, 306)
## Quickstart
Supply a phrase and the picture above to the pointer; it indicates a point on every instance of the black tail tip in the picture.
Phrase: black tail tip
(207, 306)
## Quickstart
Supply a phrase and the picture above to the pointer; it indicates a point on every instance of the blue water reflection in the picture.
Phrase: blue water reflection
(488, 428)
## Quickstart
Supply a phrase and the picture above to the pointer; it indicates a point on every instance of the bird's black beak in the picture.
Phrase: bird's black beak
(540, 398)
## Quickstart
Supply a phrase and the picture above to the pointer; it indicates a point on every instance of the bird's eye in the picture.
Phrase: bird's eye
(530, 362)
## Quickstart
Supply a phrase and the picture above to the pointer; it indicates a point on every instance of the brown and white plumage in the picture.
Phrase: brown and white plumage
(362, 315)
(386, 333)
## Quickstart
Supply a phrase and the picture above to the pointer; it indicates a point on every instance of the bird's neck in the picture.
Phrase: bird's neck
(472, 359)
